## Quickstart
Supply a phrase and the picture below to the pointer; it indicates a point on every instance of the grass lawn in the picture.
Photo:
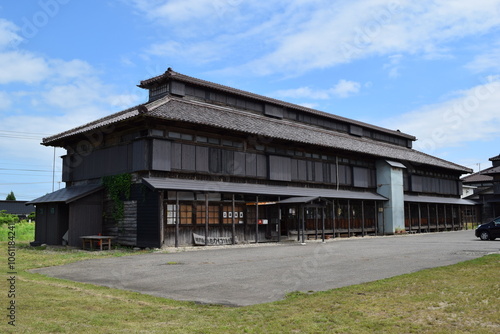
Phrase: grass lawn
(462, 298)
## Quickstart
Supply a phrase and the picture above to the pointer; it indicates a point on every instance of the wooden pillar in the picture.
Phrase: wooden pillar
(445, 217)
(233, 228)
(437, 217)
(177, 218)
(323, 224)
(453, 217)
(303, 224)
(348, 218)
(279, 220)
(297, 214)
(410, 221)
(316, 222)
(419, 219)
(257, 219)
(375, 206)
(428, 217)
(362, 218)
(206, 219)
(162, 217)
(460, 217)
(333, 218)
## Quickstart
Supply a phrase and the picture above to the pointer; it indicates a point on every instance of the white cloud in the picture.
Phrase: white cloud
(340, 32)
(8, 34)
(393, 66)
(200, 52)
(5, 101)
(18, 66)
(487, 61)
(471, 115)
(343, 89)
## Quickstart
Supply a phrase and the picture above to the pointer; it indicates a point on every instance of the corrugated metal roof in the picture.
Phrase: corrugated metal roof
(437, 200)
(293, 200)
(257, 189)
(67, 195)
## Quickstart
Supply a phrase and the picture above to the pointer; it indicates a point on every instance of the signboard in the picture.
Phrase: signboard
(212, 241)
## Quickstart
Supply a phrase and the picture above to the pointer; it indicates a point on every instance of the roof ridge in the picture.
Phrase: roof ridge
(173, 74)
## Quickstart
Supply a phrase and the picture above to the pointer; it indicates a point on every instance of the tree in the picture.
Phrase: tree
(11, 197)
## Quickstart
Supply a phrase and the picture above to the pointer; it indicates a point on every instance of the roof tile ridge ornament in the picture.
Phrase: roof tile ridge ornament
(495, 158)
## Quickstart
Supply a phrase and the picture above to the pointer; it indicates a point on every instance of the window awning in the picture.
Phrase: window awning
(395, 164)
(438, 200)
(257, 189)
(67, 195)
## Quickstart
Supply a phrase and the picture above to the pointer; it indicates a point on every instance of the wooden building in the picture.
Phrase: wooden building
(203, 163)
(18, 208)
(486, 194)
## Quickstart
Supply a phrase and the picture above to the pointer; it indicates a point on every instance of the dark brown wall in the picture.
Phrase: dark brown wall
(85, 217)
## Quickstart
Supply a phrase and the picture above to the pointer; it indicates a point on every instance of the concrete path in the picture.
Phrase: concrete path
(250, 275)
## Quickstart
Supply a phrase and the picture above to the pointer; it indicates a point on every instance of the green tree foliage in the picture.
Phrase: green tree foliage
(6, 218)
(11, 197)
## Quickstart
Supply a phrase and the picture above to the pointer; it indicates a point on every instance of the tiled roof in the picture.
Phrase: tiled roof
(491, 171)
(478, 177)
(195, 112)
(170, 74)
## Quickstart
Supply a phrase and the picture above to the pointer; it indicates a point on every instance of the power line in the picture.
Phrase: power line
(29, 170)
(22, 183)
(31, 133)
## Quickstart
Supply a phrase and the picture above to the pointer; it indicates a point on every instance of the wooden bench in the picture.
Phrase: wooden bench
(100, 240)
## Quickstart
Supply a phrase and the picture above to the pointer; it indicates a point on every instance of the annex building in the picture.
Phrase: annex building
(203, 163)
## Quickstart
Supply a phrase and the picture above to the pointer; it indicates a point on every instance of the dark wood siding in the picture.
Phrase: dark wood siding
(178, 88)
(215, 160)
(318, 172)
(356, 130)
(148, 213)
(239, 163)
(280, 168)
(188, 157)
(161, 155)
(261, 165)
(140, 155)
(345, 175)
(361, 177)
(202, 159)
(85, 218)
(251, 164)
(274, 111)
(51, 223)
(176, 156)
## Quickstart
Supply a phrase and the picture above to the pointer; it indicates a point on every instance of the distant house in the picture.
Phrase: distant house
(18, 208)
(212, 164)
(487, 190)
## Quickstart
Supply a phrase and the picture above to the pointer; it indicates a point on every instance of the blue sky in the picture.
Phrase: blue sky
(427, 68)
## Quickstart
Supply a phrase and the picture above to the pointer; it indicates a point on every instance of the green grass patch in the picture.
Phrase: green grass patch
(24, 231)
(462, 298)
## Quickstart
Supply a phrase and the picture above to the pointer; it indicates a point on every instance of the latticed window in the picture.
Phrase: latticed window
(185, 213)
(213, 214)
(228, 214)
